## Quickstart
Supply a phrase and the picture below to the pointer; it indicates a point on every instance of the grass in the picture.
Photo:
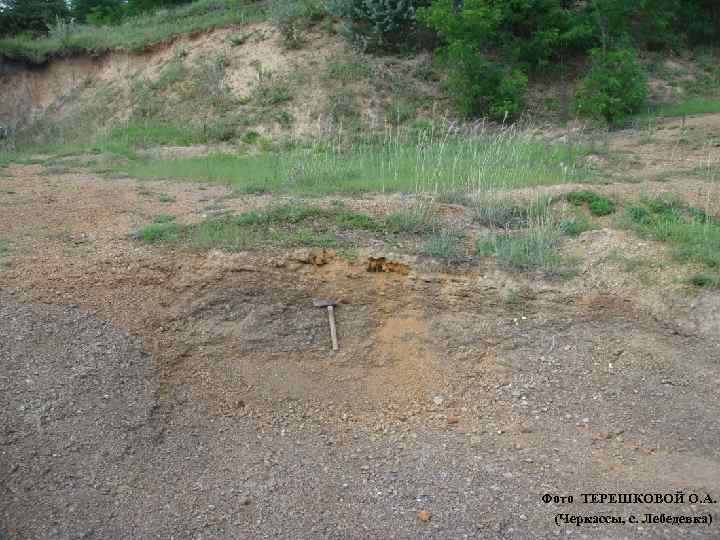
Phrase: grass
(163, 218)
(598, 205)
(281, 226)
(445, 244)
(705, 280)
(135, 34)
(686, 108)
(577, 225)
(416, 219)
(432, 160)
(495, 209)
(693, 234)
(534, 249)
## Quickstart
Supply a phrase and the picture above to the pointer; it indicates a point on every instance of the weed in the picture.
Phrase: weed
(693, 234)
(577, 225)
(163, 218)
(353, 68)
(165, 198)
(350, 255)
(535, 249)
(292, 17)
(414, 220)
(511, 297)
(598, 205)
(443, 244)
(356, 220)
(343, 107)
(686, 108)
(708, 281)
(160, 232)
(428, 159)
(270, 88)
(496, 210)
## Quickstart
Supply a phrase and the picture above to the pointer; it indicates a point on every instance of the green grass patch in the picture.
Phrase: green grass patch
(705, 280)
(599, 205)
(357, 220)
(135, 34)
(686, 108)
(693, 234)
(494, 209)
(288, 225)
(534, 249)
(413, 220)
(577, 225)
(443, 244)
(163, 218)
(390, 161)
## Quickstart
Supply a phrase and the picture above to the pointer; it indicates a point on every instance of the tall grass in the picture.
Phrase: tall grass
(134, 34)
(434, 160)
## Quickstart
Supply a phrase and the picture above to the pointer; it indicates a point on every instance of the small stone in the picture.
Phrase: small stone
(424, 515)
(438, 400)
(245, 501)
(452, 419)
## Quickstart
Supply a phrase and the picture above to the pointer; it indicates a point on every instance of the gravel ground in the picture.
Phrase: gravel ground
(151, 392)
(93, 446)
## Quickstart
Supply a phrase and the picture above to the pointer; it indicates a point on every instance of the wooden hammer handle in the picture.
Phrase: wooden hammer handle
(333, 332)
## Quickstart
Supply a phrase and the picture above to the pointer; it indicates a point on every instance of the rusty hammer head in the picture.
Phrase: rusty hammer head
(317, 302)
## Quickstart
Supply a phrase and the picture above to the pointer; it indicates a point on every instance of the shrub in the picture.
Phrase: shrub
(614, 87)
(377, 24)
(481, 87)
(597, 204)
(292, 17)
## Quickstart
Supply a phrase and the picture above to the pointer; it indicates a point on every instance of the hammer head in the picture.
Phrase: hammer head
(317, 302)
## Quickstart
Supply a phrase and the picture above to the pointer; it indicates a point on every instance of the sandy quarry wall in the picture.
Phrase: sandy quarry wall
(28, 90)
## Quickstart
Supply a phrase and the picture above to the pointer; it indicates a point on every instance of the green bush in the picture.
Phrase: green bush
(377, 24)
(292, 18)
(481, 87)
(598, 205)
(614, 87)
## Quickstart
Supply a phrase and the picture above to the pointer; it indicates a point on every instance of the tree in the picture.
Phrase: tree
(34, 16)
(98, 11)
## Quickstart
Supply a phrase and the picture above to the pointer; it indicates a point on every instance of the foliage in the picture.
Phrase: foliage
(614, 87)
(598, 205)
(30, 16)
(135, 33)
(292, 17)
(535, 249)
(378, 24)
(576, 226)
(694, 235)
(481, 87)
(445, 244)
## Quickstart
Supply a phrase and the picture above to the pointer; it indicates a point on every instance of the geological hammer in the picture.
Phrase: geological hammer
(330, 305)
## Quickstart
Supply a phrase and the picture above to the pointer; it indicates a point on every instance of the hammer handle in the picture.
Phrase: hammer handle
(333, 332)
